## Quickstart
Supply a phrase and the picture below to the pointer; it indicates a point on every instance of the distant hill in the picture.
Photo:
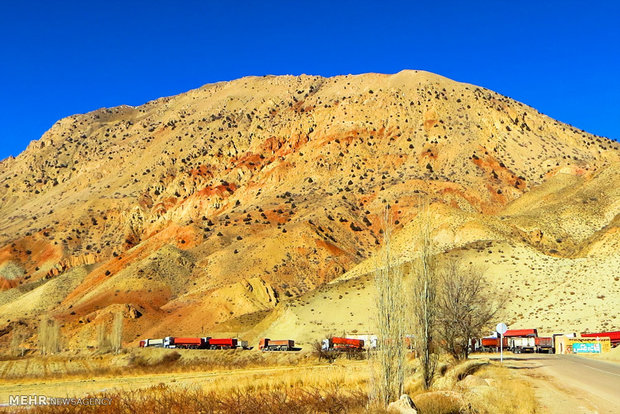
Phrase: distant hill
(255, 206)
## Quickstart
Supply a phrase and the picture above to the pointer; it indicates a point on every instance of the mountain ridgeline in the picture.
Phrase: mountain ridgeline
(241, 205)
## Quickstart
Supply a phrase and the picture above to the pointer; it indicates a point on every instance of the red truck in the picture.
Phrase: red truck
(521, 340)
(188, 343)
(267, 344)
(491, 344)
(220, 343)
(544, 344)
(343, 344)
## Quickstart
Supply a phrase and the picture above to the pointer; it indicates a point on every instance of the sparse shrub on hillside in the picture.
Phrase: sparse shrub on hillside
(354, 227)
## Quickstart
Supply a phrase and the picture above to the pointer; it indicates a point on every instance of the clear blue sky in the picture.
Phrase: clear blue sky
(66, 57)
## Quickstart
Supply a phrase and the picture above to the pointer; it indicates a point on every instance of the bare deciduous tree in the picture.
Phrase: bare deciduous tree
(18, 335)
(49, 336)
(466, 307)
(103, 341)
(117, 332)
(112, 340)
(424, 304)
(329, 355)
(389, 359)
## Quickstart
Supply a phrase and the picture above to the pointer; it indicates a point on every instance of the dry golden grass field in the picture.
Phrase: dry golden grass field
(249, 382)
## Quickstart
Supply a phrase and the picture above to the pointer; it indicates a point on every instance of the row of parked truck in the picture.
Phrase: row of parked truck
(514, 340)
(527, 340)
(357, 343)
(194, 343)
(515, 345)
(265, 344)
(334, 343)
(172, 342)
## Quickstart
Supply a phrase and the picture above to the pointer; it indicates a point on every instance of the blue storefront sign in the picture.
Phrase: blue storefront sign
(586, 348)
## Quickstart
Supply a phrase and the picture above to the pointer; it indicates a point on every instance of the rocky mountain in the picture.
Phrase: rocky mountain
(234, 206)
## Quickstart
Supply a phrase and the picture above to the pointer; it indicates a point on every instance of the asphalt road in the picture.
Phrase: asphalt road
(568, 382)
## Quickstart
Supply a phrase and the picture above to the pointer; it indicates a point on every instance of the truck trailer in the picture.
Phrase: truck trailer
(267, 344)
(220, 343)
(544, 344)
(152, 343)
(342, 344)
(491, 344)
(183, 343)
(519, 345)
(370, 340)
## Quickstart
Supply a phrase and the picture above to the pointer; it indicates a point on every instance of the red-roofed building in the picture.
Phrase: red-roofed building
(614, 336)
(515, 333)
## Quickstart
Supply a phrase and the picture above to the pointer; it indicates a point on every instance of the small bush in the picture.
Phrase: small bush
(440, 402)
(320, 353)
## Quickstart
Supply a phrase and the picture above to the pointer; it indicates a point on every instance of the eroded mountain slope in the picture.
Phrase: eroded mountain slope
(235, 197)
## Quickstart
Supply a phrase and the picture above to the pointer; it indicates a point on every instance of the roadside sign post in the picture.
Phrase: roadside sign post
(501, 349)
(501, 329)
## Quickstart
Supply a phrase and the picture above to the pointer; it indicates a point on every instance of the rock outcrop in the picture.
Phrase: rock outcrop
(404, 405)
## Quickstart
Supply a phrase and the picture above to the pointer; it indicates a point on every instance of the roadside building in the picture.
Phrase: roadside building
(579, 345)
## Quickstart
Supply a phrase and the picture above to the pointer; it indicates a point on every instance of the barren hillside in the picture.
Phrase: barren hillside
(254, 206)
